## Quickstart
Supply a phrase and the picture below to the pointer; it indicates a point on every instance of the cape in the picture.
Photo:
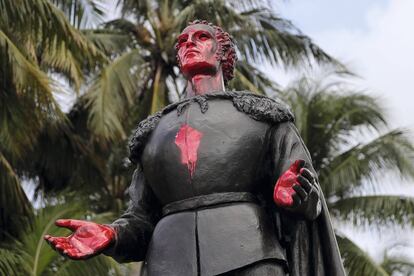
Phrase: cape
(311, 245)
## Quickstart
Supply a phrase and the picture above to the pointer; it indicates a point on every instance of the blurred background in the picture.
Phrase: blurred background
(77, 76)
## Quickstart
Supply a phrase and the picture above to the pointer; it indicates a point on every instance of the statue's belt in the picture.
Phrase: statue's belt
(209, 200)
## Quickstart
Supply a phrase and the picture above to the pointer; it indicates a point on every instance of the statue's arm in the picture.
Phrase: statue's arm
(134, 228)
(126, 239)
(296, 185)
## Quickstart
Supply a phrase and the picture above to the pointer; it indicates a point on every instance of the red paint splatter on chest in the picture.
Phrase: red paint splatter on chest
(188, 140)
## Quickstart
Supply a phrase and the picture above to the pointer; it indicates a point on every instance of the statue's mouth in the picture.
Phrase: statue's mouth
(191, 51)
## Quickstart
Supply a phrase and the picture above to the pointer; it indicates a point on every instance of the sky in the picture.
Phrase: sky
(375, 39)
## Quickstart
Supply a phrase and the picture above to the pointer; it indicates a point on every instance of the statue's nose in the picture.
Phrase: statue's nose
(190, 42)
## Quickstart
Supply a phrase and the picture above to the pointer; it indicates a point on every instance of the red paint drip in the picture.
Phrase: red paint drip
(188, 140)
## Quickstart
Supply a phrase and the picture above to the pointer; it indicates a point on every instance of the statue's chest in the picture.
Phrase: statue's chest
(197, 153)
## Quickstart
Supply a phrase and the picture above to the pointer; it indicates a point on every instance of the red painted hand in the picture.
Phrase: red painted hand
(88, 239)
(296, 190)
(284, 191)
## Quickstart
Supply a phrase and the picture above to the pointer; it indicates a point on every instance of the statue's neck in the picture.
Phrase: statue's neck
(204, 84)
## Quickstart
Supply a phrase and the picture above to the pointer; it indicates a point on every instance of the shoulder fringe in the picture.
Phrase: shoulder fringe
(258, 107)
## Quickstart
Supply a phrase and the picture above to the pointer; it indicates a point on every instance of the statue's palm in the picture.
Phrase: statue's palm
(88, 239)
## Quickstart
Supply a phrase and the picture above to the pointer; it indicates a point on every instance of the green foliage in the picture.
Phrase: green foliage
(12, 197)
(152, 28)
(37, 43)
(356, 261)
(142, 78)
(365, 163)
(30, 254)
(396, 261)
(331, 119)
(85, 150)
(81, 13)
(385, 210)
(115, 87)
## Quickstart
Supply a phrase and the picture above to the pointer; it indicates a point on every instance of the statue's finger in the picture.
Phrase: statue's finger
(296, 201)
(71, 252)
(304, 183)
(314, 194)
(49, 238)
(307, 174)
(297, 165)
(71, 224)
(59, 246)
(56, 240)
(63, 247)
(77, 255)
(300, 191)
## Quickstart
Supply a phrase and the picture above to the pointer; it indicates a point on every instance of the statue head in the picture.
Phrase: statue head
(205, 48)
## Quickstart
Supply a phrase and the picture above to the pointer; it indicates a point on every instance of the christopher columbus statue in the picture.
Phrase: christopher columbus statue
(223, 183)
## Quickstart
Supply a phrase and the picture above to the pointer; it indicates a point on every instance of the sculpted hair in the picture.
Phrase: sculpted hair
(226, 53)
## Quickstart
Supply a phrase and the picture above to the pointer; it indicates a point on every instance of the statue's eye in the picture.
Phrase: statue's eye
(204, 36)
(182, 40)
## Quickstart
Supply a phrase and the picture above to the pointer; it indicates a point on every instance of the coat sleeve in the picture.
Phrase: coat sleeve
(287, 147)
(134, 228)
(310, 245)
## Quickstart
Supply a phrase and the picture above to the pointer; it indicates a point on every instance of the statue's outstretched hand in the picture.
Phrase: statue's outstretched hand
(88, 239)
(296, 191)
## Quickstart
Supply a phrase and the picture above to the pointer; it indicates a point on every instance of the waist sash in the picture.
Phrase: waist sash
(209, 200)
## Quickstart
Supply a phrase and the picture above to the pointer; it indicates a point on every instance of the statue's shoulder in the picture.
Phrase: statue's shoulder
(258, 107)
(262, 108)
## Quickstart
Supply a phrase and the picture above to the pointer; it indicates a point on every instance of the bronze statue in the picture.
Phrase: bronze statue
(223, 186)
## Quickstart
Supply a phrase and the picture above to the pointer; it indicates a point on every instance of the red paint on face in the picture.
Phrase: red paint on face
(197, 47)
(188, 140)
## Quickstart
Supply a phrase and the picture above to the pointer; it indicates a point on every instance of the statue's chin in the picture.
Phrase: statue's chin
(199, 68)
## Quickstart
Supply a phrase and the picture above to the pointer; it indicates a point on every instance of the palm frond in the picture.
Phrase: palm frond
(113, 92)
(25, 75)
(31, 255)
(41, 24)
(15, 208)
(248, 77)
(100, 265)
(356, 261)
(138, 32)
(11, 263)
(398, 265)
(159, 93)
(82, 13)
(260, 34)
(26, 99)
(70, 161)
(385, 210)
(392, 151)
(329, 114)
(108, 41)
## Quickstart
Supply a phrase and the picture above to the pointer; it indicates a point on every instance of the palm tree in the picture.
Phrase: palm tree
(143, 77)
(331, 119)
(37, 46)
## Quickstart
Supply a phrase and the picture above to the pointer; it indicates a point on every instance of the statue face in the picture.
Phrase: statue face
(197, 48)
